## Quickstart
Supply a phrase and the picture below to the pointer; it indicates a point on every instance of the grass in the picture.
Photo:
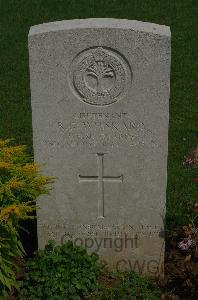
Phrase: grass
(16, 17)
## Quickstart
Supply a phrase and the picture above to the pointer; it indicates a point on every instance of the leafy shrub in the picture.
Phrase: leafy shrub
(128, 285)
(60, 272)
(20, 184)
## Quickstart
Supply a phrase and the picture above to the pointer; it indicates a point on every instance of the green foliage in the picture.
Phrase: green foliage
(60, 272)
(20, 179)
(20, 184)
(10, 248)
(129, 286)
(68, 272)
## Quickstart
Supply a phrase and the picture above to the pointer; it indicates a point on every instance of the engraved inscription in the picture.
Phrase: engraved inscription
(65, 231)
(101, 179)
(111, 129)
(105, 229)
(100, 76)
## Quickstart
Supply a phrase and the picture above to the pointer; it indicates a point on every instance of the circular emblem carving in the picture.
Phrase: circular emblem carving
(100, 76)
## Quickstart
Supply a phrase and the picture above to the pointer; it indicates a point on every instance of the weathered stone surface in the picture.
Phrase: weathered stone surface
(100, 99)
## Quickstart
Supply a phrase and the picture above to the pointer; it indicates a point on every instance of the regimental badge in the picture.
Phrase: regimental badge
(100, 76)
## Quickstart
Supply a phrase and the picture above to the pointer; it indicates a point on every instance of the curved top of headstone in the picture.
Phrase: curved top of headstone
(100, 23)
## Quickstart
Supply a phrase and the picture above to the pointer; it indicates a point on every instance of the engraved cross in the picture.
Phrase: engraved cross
(100, 178)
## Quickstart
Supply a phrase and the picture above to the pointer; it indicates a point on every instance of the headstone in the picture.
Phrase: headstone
(100, 109)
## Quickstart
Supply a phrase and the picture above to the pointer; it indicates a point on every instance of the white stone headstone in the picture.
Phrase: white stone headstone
(100, 109)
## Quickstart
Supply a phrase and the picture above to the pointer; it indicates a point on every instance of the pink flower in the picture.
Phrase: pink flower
(185, 244)
(192, 159)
